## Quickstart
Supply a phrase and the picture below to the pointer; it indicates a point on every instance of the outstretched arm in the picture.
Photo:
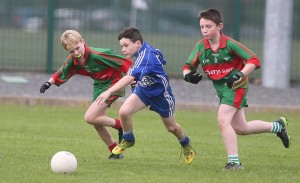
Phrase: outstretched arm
(46, 85)
(122, 83)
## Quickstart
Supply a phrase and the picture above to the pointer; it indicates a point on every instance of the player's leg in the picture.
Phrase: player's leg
(173, 127)
(96, 115)
(164, 105)
(184, 140)
(258, 126)
(225, 115)
(231, 101)
(132, 104)
(107, 138)
(242, 127)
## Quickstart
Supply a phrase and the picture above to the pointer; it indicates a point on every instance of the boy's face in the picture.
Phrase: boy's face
(209, 29)
(78, 50)
(129, 48)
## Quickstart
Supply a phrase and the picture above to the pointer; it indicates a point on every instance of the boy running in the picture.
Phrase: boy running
(228, 63)
(152, 90)
(105, 68)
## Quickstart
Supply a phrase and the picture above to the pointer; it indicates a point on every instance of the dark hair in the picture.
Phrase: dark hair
(131, 33)
(212, 15)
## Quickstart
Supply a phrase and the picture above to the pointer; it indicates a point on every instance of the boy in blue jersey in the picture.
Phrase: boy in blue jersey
(153, 90)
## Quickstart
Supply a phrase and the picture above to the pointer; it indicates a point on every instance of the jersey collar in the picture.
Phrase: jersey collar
(141, 49)
(222, 43)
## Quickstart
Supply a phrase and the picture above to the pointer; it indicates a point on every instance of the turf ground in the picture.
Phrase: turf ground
(30, 135)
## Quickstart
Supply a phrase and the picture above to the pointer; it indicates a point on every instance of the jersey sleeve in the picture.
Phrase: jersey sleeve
(193, 61)
(245, 53)
(66, 71)
(138, 67)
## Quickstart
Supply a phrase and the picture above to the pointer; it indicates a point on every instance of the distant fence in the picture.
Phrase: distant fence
(30, 29)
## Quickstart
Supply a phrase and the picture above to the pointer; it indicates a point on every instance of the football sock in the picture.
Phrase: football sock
(276, 127)
(118, 124)
(185, 141)
(128, 136)
(110, 148)
(233, 158)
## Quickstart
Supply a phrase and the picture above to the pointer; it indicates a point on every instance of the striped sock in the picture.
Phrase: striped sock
(233, 158)
(276, 127)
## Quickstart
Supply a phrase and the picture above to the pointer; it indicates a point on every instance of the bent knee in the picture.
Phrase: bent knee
(241, 131)
(88, 118)
(124, 113)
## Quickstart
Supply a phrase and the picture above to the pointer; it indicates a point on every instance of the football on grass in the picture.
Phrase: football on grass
(63, 162)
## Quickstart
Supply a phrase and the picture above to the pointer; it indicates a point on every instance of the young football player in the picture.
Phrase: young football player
(228, 63)
(153, 90)
(105, 68)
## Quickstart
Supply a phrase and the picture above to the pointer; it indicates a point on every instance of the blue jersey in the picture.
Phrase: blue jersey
(148, 71)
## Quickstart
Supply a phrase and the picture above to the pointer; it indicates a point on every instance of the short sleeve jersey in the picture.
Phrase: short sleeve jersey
(148, 71)
(230, 57)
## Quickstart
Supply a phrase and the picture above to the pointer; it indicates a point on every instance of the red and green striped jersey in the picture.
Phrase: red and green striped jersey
(102, 65)
(230, 56)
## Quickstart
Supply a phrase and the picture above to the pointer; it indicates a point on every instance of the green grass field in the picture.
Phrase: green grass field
(31, 135)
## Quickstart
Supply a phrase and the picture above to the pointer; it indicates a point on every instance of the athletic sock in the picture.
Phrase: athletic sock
(118, 124)
(276, 127)
(234, 159)
(185, 141)
(110, 148)
(128, 136)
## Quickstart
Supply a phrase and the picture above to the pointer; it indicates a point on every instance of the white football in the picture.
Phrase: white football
(63, 162)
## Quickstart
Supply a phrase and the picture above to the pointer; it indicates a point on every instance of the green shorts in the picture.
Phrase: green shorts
(235, 98)
(98, 89)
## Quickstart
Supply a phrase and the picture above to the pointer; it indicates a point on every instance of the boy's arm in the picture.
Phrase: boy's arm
(245, 53)
(248, 68)
(61, 76)
(189, 69)
(46, 85)
(122, 83)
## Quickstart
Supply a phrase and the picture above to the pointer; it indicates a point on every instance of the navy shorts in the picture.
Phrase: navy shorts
(163, 104)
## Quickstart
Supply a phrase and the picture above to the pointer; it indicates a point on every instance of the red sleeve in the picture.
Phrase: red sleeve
(126, 64)
(255, 61)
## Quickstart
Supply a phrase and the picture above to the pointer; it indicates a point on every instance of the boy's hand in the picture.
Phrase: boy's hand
(102, 97)
(45, 86)
(234, 79)
(193, 77)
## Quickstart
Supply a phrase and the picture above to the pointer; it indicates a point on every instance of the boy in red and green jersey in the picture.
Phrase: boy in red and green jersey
(102, 65)
(227, 63)
(105, 68)
(229, 59)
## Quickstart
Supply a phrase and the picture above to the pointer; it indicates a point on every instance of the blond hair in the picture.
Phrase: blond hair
(70, 38)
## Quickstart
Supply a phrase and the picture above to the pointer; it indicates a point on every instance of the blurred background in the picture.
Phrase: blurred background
(30, 29)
